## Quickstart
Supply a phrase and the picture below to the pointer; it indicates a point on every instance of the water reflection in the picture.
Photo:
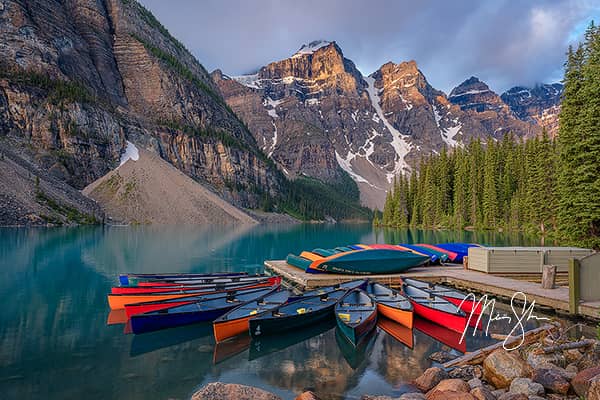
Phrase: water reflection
(55, 344)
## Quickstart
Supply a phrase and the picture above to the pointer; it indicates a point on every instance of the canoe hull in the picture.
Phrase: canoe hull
(147, 323)
(356, 334)
(224, 330)
(370, 261)
(403, 317)
(259, 327)
(456, 323)
(117, 301)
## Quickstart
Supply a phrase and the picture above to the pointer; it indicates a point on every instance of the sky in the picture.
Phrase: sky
(505, 43)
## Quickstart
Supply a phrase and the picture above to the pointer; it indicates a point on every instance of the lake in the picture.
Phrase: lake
(55, 342)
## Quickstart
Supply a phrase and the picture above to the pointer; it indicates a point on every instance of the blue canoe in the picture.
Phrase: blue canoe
(434, 256)
(462, 249)
(200, 311)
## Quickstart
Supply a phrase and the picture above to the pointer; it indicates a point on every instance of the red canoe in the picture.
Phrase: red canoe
(468, 304)
(436, 309)
(140, 308)
(161, 287)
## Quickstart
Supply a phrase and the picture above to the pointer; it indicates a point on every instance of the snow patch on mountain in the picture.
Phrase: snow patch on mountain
(399, 141)
(346, 164)
(311, 48)
(251, 81)
(448, 134)
(131, 153)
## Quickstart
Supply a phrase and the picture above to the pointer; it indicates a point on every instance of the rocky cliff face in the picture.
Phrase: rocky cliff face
(315, 114)
(540, 104)
(80, 76)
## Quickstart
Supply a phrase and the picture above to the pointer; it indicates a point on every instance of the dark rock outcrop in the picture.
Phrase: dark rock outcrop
(77, 78)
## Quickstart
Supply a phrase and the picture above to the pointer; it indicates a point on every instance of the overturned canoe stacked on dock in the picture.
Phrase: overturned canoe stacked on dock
(358, 260)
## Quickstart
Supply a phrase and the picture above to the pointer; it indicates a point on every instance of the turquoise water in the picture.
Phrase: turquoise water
(55, 342)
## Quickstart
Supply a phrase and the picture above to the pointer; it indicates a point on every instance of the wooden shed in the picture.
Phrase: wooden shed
(502, 260)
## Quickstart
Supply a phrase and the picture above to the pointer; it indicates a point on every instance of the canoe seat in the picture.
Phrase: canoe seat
(301, 310)
(344, 316)
(253, 312)
(358, 320)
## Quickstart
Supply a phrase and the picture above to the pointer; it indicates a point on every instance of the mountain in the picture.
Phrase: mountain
(540, 104)
(315, 115)
(80, 78)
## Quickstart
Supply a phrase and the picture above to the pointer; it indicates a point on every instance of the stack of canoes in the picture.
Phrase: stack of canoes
(358, 259)
(377, 258)
(157, 301)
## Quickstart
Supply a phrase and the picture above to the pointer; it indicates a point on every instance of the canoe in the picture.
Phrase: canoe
(295, 315)
(237, 320)
(302, 261)
(455, 297)
(201, 311)
(398, 331)
(369, 261)
(391, 304)
(355, 284)
(116, 301)
(462, 249)
(441, 334)
(436, 256)
(140, 308)
(356, 315)
(196, 281)
(185, 285)
(435, 308)
(451, 255)
(126, 278)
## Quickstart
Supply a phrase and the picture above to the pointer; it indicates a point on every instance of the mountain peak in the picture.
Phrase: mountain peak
(312, 47)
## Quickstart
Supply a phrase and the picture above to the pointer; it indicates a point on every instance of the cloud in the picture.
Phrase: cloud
(503, 42)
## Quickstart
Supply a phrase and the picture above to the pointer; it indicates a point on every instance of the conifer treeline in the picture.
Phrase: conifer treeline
(506, 184)
(539, 185)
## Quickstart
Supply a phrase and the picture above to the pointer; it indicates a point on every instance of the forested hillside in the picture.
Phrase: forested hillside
(540, 185)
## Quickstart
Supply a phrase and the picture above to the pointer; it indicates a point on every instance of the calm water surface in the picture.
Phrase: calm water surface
(55, 342)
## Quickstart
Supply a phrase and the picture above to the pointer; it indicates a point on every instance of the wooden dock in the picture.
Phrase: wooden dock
(500, 287)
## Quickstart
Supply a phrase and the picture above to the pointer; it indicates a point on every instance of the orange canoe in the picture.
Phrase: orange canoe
(236, 321)
(403, 317)
(117, 301)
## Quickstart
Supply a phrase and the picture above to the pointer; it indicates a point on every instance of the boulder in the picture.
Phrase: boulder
(501, 367)
(513, 396)
(449, 386)
(498, 392)
(430, 378)
(449, 395)
(232, 391)
(572, 369)
(412, 396)
(551, 379)
(537, 360)
(581, 381)
(526, 386)
(594, 389)
(482, 393)
(466, 372)
(572, 355)
(475, 382)
(308, 395)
